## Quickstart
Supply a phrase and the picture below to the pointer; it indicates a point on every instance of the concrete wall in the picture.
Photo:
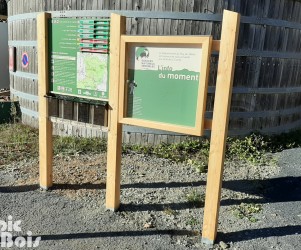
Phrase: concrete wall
(4, 75)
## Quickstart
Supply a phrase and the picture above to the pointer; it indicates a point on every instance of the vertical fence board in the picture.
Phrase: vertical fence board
(251, 72)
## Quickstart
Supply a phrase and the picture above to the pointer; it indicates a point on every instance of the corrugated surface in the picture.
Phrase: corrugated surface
(268, 66)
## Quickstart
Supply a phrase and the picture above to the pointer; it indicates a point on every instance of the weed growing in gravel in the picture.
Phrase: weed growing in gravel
(192, 221)
(247, 211)
(195, 198)
(200, 166)
(256, 148)
(251, 149)
(191, 152)
(170, 211)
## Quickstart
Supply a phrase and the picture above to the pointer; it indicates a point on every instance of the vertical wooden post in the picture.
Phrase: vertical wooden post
(225, 73)
(45, 125)
(115, 128)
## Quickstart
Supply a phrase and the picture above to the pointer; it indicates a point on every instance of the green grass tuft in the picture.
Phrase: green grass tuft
(247, 211)
(19, 142)
(71, 145)
(196, 199)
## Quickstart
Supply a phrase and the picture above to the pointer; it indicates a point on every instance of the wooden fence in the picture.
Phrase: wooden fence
(267, 82)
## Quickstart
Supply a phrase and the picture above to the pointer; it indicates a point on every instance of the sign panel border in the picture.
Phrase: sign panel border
(67, 43)
(203, 42)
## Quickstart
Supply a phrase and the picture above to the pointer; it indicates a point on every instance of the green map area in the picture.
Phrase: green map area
(92, 71)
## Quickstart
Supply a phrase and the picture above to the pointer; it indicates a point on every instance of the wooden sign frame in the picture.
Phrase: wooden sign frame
(203, 42)
(227, 47)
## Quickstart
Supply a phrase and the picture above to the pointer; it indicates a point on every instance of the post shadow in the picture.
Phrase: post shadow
(281, 189)
(107, 234)
(251, 234)
(243, 235)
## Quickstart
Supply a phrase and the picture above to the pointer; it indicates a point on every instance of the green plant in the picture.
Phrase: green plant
(250, 148)
(200, 166)
(192, 221)
(170, 211)
(195, 198)
(78, 145)
(247, 211)
(193, 152)
(17, 142)
(142, 149)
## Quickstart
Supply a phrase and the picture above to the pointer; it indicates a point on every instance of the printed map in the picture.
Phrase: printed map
(92, 71)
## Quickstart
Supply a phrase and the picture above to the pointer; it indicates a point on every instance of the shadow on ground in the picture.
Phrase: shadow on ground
(238, 236)
(282, 189)
(112, 234)
(251, 234)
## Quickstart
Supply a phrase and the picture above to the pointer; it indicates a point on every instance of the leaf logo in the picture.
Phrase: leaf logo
(142, 52)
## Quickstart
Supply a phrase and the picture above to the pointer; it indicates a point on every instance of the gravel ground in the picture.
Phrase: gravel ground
(260, 207)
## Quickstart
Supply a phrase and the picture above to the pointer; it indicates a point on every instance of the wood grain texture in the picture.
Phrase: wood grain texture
(115, 128)
(226, 66)
(45, 126)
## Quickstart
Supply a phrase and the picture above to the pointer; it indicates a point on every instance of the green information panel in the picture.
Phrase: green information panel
(79, 60)
(163, 84)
